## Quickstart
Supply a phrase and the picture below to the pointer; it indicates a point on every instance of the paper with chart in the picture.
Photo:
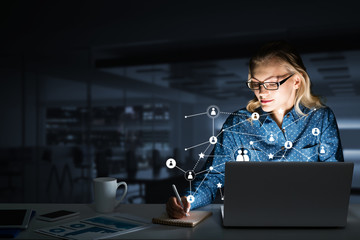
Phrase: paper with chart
(97, 227)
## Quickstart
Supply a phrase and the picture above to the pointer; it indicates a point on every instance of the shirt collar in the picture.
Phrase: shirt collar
(296, 115)
(263, 115)
(266, 115)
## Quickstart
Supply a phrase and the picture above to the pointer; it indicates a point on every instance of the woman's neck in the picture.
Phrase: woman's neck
(278, 116)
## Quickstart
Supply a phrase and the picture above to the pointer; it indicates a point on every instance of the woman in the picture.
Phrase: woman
(284, 122)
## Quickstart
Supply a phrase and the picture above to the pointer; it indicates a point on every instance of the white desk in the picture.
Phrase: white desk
(211, 228)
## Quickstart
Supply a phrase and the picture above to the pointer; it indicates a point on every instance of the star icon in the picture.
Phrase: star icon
(201, 155)
(219, 185)
(281, 111)
(271, 156)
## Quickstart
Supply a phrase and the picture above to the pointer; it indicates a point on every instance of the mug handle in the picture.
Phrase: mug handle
(124, 194)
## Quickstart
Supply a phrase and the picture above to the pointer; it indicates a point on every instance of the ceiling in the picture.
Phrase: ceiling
(202, 47)
(334, 74)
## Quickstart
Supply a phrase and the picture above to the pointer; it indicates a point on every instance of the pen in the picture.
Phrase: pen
(179, 199)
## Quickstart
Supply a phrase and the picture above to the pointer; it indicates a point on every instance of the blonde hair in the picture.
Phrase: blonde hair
(286, 53)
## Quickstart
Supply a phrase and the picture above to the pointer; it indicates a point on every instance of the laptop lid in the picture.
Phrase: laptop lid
(287, 194)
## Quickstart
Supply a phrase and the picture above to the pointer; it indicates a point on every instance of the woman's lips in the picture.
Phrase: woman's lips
(265, 101)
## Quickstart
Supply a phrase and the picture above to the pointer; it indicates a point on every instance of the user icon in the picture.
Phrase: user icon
(190, 176)
(271, 139)
(255, 116)
(213, 111)
(315, 131)
(190, 198)
(213, 140)
(246, 157)
(322, 149)
(171, 163)
(288, 145)
(240, 157)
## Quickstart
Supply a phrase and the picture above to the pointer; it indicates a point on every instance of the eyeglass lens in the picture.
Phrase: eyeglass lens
(256, 85)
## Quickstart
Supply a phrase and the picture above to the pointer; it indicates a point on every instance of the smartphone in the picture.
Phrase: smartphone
(58, 215)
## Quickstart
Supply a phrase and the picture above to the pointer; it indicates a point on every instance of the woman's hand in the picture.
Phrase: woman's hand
(174, 208)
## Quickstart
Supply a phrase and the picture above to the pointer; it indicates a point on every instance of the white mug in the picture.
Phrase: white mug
(105, 194)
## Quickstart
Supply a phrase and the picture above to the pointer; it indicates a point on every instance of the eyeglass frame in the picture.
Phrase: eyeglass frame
(277, 83)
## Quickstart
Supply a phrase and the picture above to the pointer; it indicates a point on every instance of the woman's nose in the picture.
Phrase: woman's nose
(263, 90)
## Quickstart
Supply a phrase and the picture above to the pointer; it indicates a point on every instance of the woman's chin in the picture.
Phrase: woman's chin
(267, 108)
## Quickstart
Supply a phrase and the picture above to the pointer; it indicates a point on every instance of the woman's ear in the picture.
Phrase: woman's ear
(297, 82)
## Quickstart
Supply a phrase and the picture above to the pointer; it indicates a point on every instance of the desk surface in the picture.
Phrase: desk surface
(211, 228)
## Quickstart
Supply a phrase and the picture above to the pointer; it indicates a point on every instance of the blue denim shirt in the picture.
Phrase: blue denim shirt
(313, 138)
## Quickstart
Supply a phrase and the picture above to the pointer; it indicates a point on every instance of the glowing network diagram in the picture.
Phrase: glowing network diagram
(241, 153)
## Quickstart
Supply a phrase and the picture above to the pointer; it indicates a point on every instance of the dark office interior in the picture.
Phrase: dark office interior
(101, 89)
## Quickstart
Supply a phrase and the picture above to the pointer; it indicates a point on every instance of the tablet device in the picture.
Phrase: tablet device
(15, 218)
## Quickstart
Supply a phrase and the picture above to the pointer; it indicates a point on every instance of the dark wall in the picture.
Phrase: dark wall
(56, 55)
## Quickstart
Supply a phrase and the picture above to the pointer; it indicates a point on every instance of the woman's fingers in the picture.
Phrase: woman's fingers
(174, 209)
(187, 205)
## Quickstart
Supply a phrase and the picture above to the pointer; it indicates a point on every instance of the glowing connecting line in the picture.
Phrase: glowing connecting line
(240, 153)
(219, 185)
(190, 175)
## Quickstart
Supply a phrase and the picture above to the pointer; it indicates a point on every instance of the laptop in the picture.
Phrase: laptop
(286, 194)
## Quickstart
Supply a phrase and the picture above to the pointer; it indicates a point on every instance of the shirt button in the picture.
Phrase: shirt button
(282, 148)
(283, 130)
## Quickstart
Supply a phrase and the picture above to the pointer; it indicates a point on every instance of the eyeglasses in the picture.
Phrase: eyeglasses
(267, 85)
